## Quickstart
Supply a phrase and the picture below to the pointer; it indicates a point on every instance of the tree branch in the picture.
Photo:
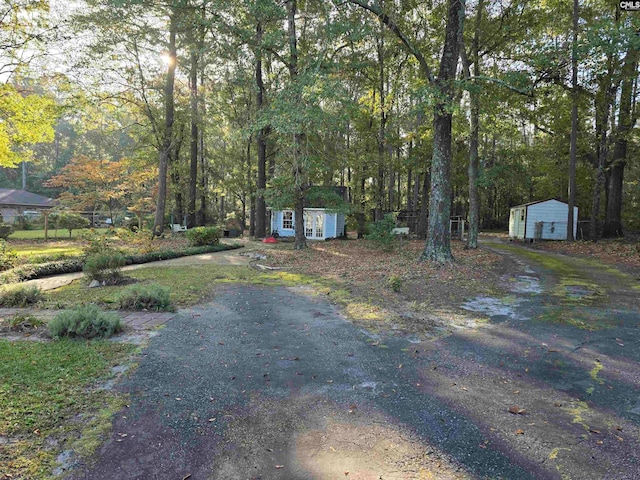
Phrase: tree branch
(411, 48)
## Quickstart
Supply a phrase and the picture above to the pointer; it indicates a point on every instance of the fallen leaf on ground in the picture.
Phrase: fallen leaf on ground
(516, 410)
(519, 432)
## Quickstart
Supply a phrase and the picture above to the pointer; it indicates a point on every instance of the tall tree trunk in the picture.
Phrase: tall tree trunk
(177, 198)
(361, 214)
(261, 184)
(423, 215)
(474, 130)
(409, 187)
(202, 210)
(626, 120)
(603, 101)
(193, 160)
(438, 245)
(382, 127)
(299, 174)
(574, 124)
(165, 148)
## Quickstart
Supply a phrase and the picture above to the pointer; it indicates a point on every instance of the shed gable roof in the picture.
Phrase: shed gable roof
(538, 201)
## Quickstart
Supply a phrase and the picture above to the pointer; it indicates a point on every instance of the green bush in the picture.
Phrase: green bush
(8, 257)
(96, 243)
(104, 267)
(5, 230)
(85, 322)
(380, 232)
(20, 296)
(146, 297)
(201, 236)
(394, 282)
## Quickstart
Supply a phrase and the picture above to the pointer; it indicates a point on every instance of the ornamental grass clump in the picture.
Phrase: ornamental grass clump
(85, 322)
(146, 297)
(20, 296)
(105, 268)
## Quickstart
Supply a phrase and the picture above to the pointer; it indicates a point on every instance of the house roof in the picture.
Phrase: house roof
(538, 201)
(22, 198)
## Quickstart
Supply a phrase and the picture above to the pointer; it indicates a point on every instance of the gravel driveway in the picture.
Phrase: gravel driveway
(273, 383)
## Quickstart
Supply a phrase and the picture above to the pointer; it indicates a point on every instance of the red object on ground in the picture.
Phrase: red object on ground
(270, 240)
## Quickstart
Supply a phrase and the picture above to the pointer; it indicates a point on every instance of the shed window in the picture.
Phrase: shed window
(287, 220)
(522, 215)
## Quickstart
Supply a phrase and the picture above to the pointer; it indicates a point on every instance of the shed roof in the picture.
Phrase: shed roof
(22, 198)
(539, 201)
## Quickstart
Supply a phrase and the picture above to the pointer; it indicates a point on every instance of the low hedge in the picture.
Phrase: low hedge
(32, 272)
(138, 258)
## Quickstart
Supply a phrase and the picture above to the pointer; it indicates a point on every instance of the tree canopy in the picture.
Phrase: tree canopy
(428, 110)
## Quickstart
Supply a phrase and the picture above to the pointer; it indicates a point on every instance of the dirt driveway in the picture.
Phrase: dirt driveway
(273, 383)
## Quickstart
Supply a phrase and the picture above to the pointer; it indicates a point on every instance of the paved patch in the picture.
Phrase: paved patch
(245, 387)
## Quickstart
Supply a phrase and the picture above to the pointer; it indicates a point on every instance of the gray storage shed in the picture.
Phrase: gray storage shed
(542, 220)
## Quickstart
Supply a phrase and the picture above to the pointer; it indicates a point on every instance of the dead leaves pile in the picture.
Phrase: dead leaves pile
(616, 252)
(366, 270)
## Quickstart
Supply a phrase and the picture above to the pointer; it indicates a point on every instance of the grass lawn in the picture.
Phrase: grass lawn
(47, 249)
(53, 234)
(188, 285)
(47, 403)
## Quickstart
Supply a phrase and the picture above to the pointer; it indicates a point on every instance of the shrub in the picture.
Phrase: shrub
(201, 236)
(105, 267)
(394, 282)
(96, 243)
(143, 240)
(5, 230)
(20, 296)
(8, 257)
(85, 322)
(145, 297)
(380, 232)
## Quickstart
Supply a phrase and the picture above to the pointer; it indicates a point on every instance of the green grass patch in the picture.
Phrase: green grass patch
(190, 285)
(43, 386)
(48, 250)
(582, 318)
(575, 283)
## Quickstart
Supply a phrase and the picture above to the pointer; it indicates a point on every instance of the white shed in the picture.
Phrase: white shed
(542, 220)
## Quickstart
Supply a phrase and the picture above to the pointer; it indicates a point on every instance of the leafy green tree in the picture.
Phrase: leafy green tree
(72, 221)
